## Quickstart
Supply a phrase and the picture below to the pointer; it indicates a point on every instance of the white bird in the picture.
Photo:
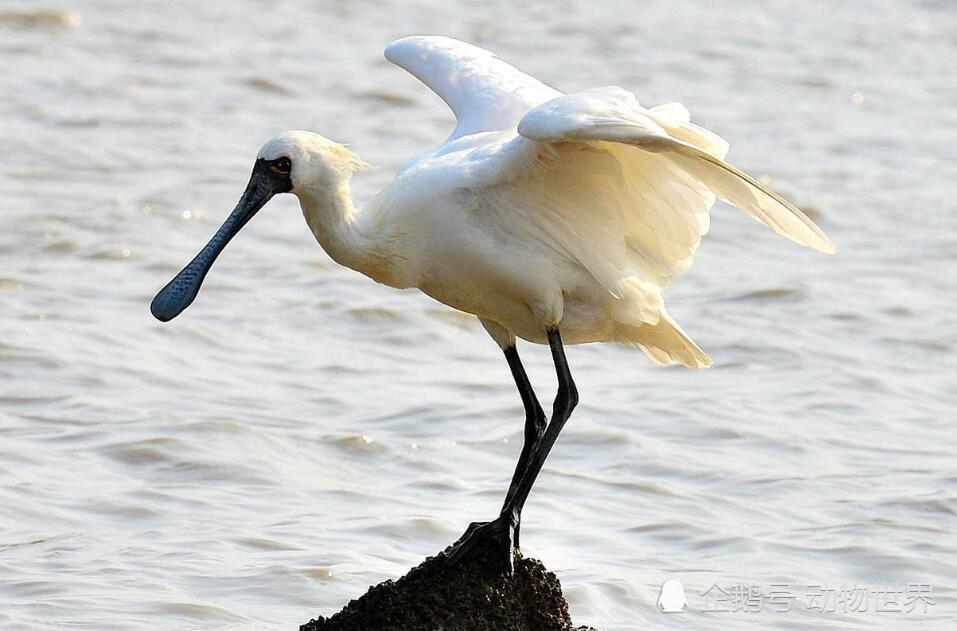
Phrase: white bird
(555, 218)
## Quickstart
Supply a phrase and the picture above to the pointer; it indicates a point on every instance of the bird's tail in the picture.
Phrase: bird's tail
(663, 342)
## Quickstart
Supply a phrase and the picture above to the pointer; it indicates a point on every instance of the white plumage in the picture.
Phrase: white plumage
(573, 209)
(540, 211)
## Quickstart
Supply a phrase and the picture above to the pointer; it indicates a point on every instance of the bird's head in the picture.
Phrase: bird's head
(298, 162)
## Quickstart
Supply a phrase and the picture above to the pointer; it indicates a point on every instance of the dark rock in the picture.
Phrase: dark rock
(472, 595)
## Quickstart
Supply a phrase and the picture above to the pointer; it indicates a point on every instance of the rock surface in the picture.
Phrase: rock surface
(470, 596)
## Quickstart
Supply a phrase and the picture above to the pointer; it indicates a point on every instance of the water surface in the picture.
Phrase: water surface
(302, 432)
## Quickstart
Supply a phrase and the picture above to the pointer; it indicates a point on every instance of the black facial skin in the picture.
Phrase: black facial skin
(269, 177)
(280, 169)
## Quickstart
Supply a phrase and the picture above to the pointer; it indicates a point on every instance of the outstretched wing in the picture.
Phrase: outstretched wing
(486, 93)
(623, 191)
(668, 139)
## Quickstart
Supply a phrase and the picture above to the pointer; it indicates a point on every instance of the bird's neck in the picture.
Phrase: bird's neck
(342, 231)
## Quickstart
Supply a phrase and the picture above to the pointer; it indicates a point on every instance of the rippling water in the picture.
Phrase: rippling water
(301, 432)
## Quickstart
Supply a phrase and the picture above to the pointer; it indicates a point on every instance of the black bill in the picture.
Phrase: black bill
(180, 292)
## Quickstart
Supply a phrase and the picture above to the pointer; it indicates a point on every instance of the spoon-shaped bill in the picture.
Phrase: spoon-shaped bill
(180, 292)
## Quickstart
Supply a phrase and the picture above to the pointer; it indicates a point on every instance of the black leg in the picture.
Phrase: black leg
(504, 529)
(534, 425)
(565, 402)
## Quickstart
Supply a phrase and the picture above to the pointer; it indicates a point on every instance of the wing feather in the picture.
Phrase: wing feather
(614, 115)
(484, 92)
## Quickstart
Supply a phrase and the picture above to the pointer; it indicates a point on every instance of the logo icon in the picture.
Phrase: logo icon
(672, 597)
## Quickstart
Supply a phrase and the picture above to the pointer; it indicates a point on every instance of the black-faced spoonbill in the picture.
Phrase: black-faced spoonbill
(553, 218)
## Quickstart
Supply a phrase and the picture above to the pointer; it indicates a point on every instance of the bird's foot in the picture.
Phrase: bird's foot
(500, 535)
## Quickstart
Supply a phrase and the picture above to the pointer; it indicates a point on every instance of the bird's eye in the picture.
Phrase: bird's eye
(282, 166)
